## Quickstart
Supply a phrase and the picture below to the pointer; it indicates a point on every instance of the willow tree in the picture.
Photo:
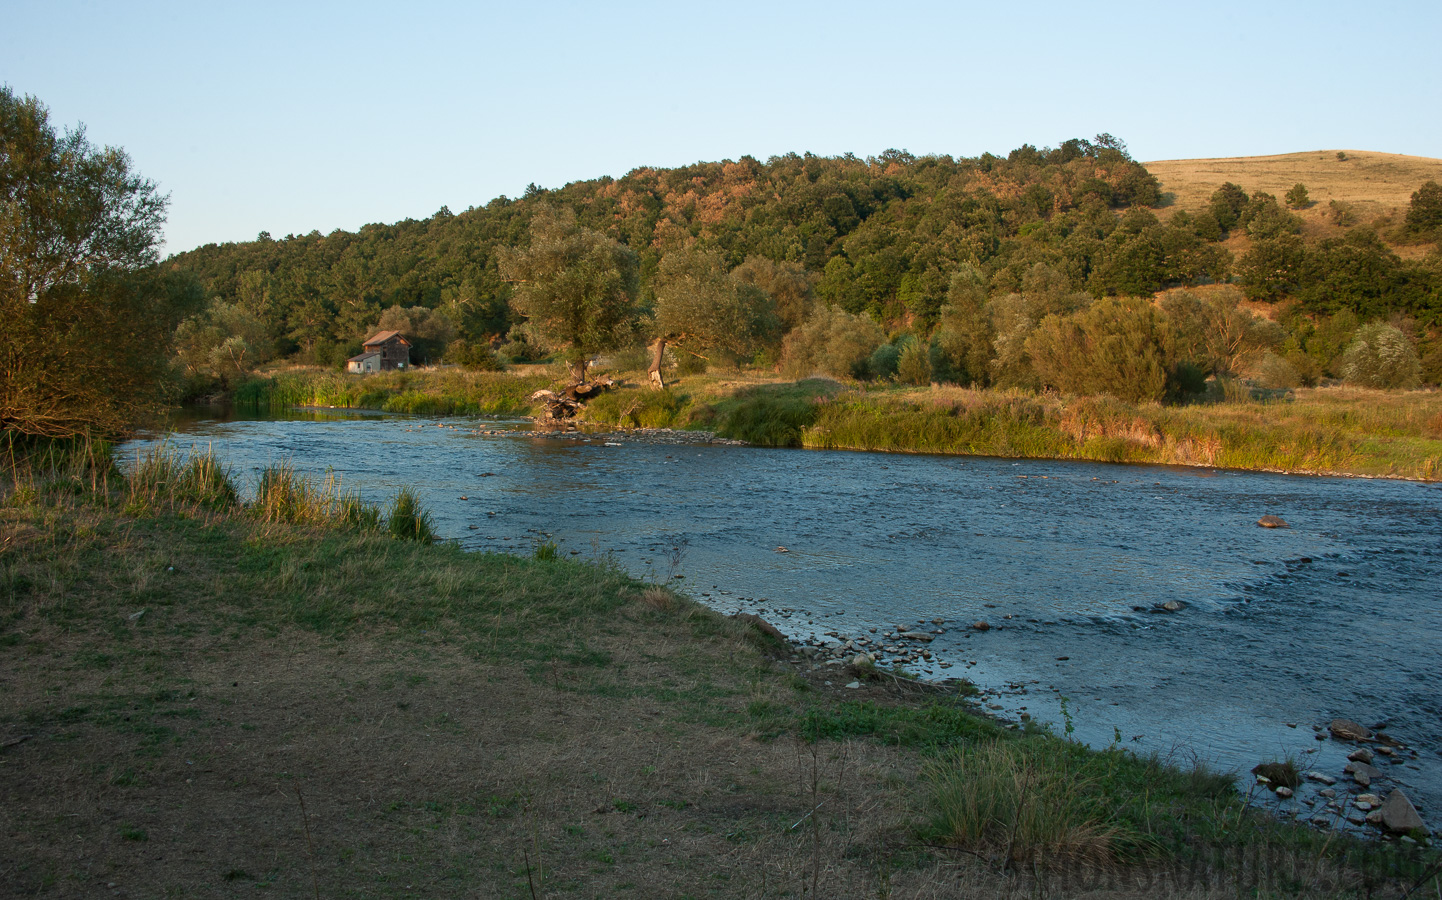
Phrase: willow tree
(575, 287)
(1117, 346)
(87, 317)
(700, 307)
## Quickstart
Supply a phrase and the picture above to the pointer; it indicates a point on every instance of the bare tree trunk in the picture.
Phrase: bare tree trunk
(658, 355)
(578, 371)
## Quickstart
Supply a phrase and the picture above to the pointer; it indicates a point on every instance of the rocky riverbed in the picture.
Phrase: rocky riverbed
(1362, 798)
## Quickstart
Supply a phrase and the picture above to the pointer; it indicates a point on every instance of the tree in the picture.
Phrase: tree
(1297, 197)
(833, 342)
(1271, 269)
(430, 331)
(700, 307)
(574, 286)
(1214, 332)
(86, 314)
(964, 336)
(1117, 346)
(1265, 219)
(1424, 215)
(786, 283)
(224, 341)
(1380, 356)
(1226, 205)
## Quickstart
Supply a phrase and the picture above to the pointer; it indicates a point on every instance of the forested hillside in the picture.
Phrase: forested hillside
(999, 242)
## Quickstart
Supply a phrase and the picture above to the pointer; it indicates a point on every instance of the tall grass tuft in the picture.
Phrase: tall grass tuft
(1021, 803)
(161, 474)
(407, 521)
(206, 481)
(284, 497)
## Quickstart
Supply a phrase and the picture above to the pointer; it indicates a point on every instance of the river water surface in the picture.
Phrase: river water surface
(1338, 616)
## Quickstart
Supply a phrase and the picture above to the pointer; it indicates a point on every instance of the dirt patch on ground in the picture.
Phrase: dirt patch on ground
(421, 774)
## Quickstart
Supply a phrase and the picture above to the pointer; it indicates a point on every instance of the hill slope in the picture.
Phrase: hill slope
(1375, 183)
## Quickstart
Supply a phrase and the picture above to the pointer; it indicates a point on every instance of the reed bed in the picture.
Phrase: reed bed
(162, 477)
(441, 392)
(1334, 431)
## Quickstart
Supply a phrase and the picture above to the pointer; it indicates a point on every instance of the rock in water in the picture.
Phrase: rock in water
(917, 636)
(1273, 522)
(1173, 606)
(1362, 773)
(1361, 754)
(982, 625)
(1347, 730)
(1399, 815)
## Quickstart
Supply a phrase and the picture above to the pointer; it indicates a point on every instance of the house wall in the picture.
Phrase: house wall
(394, 354)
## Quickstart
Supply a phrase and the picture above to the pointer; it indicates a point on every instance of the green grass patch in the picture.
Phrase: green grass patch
(440, 392)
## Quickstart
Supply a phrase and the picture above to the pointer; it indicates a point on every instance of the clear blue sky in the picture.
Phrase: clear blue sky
(292, 117)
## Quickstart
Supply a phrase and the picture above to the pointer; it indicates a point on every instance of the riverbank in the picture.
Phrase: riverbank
(1327, 431)
(335, 707)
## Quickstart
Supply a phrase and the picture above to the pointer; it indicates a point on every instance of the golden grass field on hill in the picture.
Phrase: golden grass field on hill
(1377, 186)
(1376, 183)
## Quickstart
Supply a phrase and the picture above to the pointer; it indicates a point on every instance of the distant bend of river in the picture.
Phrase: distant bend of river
(1339, 615)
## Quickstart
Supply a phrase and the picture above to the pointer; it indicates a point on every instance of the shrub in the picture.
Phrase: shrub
(768, 419)
(1277, 373)
(1380, 356)
(1424, 215)
(834, 342)
(476, 357)
(1342, 213)
(1116, 347)
(884, 360)
(914, 366)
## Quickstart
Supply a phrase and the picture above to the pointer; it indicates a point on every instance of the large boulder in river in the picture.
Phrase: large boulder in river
(1362, 773)
(1273, 522)
(1399, 816)
(1347, 730)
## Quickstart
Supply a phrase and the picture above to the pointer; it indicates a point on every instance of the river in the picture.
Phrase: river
(1339, 615)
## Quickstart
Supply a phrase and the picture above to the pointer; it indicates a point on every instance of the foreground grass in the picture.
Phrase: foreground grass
(202, 697)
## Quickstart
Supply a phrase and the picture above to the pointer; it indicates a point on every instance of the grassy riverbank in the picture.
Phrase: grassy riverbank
(1332, 430)
(437, 392)
(1345, 431)
(204, 697)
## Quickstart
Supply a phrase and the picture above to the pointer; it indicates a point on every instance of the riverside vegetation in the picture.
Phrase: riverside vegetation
(205, 693)
(1330, 430)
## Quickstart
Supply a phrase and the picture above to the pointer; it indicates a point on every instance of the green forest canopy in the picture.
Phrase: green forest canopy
(882, 237)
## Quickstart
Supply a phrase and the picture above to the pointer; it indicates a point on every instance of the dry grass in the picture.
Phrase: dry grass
(1375, 184)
